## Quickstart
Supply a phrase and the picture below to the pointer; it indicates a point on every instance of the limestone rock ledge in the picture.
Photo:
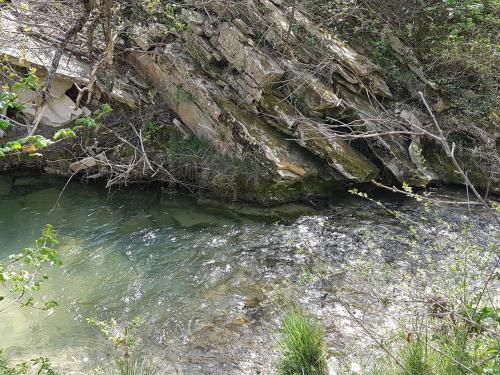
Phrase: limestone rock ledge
(239, 76)
(237, 81)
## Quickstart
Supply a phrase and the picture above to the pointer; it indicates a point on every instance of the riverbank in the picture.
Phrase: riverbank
(224, 98)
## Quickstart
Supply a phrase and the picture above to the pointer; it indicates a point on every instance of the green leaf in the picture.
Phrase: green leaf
(4, 124)
(28, 82)
(106, 108)
(42, 143)
(86, 121)
(50, 305)
(6, 98)
(14, 145)
(64, 133)
(18, 106)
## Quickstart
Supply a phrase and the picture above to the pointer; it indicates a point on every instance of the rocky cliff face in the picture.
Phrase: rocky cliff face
(296, 100)
(238, 78)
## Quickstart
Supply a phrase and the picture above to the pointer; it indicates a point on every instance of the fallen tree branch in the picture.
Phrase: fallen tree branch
(412, 195)
(291, 22)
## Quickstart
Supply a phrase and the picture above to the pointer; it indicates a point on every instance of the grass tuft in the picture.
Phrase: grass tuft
(302, 345)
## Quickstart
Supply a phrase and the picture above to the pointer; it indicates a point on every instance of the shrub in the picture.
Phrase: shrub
(39, 366)
(21, 276)
(414, 358)
(454, 354)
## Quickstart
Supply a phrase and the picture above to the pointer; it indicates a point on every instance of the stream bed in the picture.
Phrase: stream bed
(206, 279)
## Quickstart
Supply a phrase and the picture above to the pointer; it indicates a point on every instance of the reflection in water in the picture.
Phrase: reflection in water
(198, 274)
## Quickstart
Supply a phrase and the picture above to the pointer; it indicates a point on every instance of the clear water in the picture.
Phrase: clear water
(198, 274)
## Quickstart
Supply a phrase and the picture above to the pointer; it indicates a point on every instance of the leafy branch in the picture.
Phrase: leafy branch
(122, 338)
(22, 275)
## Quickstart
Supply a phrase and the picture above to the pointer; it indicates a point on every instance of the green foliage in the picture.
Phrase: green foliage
(355, 191)
(106, 108)
(414, 358)
(39, 366)
(32, 144)
(456, 353)
(21, 276)
(124, 342)
(150, 131)
(139, 367)
(29, 145)
(164, 12)
(122, 338)
(4, 124)
(88, 122)
(459, 334)
(455, 43)
(180, 94)
(479, 315)
(186, 151)
(395, 73)
(194, 160)
(64, 133)
(465, 51)
(95, 120)
(302, 346)
(29, 82)
(8, 100)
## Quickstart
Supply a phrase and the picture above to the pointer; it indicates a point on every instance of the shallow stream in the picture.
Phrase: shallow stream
(201, 275)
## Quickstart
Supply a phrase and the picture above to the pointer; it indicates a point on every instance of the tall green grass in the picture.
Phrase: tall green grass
(414, 358)
(302, 345)
(456, 354)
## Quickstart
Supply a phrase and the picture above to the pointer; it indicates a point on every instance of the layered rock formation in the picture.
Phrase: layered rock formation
(297, 99)
(238, 82)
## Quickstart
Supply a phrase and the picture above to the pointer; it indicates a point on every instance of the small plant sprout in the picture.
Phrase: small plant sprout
(122, 337)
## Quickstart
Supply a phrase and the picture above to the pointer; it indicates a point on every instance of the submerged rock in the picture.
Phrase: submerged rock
(287, 211)
(43, 199)
(26, 181)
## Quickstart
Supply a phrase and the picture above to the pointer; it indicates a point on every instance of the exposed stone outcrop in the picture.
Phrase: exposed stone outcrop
(60, 109)
(226, 89)
(26, 51)
(239, 76)
(230, 73)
